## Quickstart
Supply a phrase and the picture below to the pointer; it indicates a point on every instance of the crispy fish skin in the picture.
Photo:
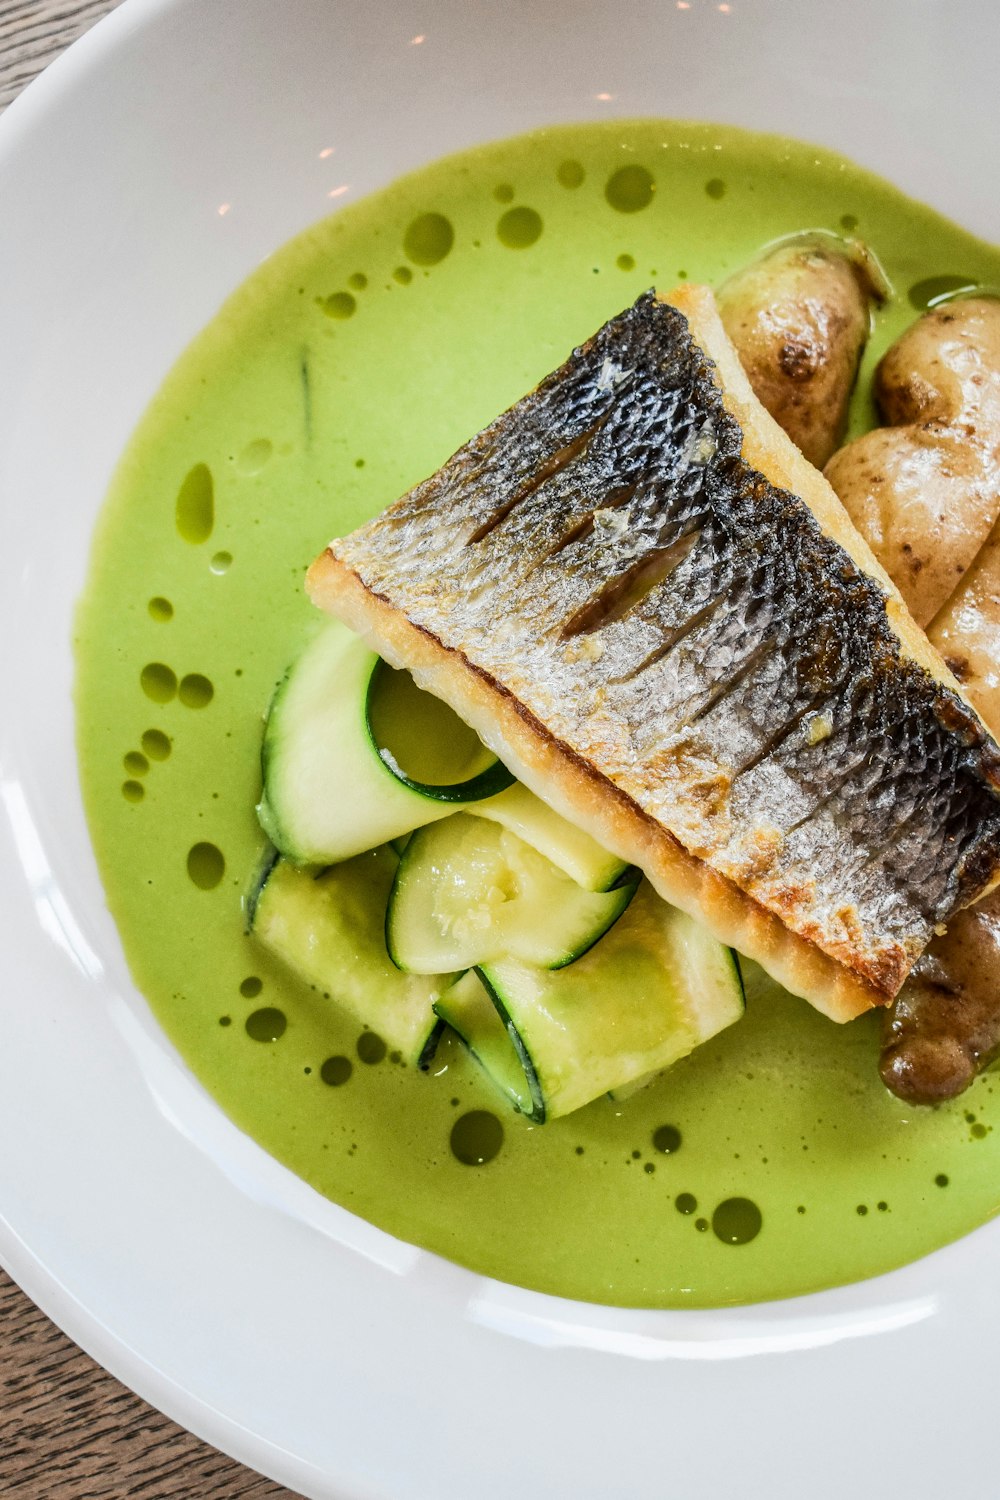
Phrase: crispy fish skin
(655, 610)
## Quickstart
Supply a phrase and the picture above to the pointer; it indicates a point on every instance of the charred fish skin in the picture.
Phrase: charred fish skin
(604, 563)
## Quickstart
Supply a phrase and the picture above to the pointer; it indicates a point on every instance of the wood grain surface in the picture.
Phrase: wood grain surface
(68, 1431)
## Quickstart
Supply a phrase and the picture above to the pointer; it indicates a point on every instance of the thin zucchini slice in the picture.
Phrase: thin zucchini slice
(468, 1008)
(340, 728)
(328, 928)
(649, 993)
(444, 759)
(468, 892)
(577, 854)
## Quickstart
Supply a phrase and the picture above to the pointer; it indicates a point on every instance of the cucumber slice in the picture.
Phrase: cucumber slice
(328, 929)
(332, 789)
(468, 892)
(575, 852)
(655, 988)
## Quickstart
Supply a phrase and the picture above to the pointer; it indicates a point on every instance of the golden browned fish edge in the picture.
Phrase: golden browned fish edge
(832, 962)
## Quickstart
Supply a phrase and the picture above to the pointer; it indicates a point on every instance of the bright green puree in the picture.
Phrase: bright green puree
(349, 366)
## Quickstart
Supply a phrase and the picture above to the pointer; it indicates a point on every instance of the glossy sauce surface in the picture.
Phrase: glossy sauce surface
(350, 366)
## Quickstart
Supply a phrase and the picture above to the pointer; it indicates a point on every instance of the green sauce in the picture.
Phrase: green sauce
(289, 421)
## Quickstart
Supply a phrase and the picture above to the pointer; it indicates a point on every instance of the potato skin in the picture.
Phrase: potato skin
(967, 632)
(800, 318)
(924, 490)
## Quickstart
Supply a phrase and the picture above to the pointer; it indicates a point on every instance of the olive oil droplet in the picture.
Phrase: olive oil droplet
(160, 609)
(667, 1138)
(519, 228)
(251, 987)
(715, 188)
(340, 305)
(630, 189)
(206, 866)
(336, 1071)
(195, 507)
(266, 1025)
(685, 1203)
(476, 1138)
(156, 744)
(195, 690)
(737, 1221)
(570, 174)
(158, 682)
(370, 1047)
(428, 239)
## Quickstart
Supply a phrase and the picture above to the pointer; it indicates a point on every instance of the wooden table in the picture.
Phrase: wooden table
(68, 1431)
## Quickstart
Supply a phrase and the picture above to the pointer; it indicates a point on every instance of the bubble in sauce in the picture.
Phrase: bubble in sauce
(160, 609)
(195, 691)
(266, 1025)
(221, 563)
(194, 510)
(428, 239)
(133, 791)
(737, 1221)
(519, 227)
(630, 189)
(158, 681)
(476, 1138)
(206, 865)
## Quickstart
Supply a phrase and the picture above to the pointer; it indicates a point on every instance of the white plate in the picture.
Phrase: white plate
(271, 1322)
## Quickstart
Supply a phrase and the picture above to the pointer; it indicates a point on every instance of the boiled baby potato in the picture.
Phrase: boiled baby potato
(924, 490)
(800, 318)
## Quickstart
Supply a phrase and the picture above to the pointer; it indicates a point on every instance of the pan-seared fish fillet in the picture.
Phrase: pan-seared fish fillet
(657, 613)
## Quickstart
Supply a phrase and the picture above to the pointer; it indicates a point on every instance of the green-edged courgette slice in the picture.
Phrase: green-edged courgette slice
(654, 988)
(328, 928)
(340, 728)
(468, 892)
